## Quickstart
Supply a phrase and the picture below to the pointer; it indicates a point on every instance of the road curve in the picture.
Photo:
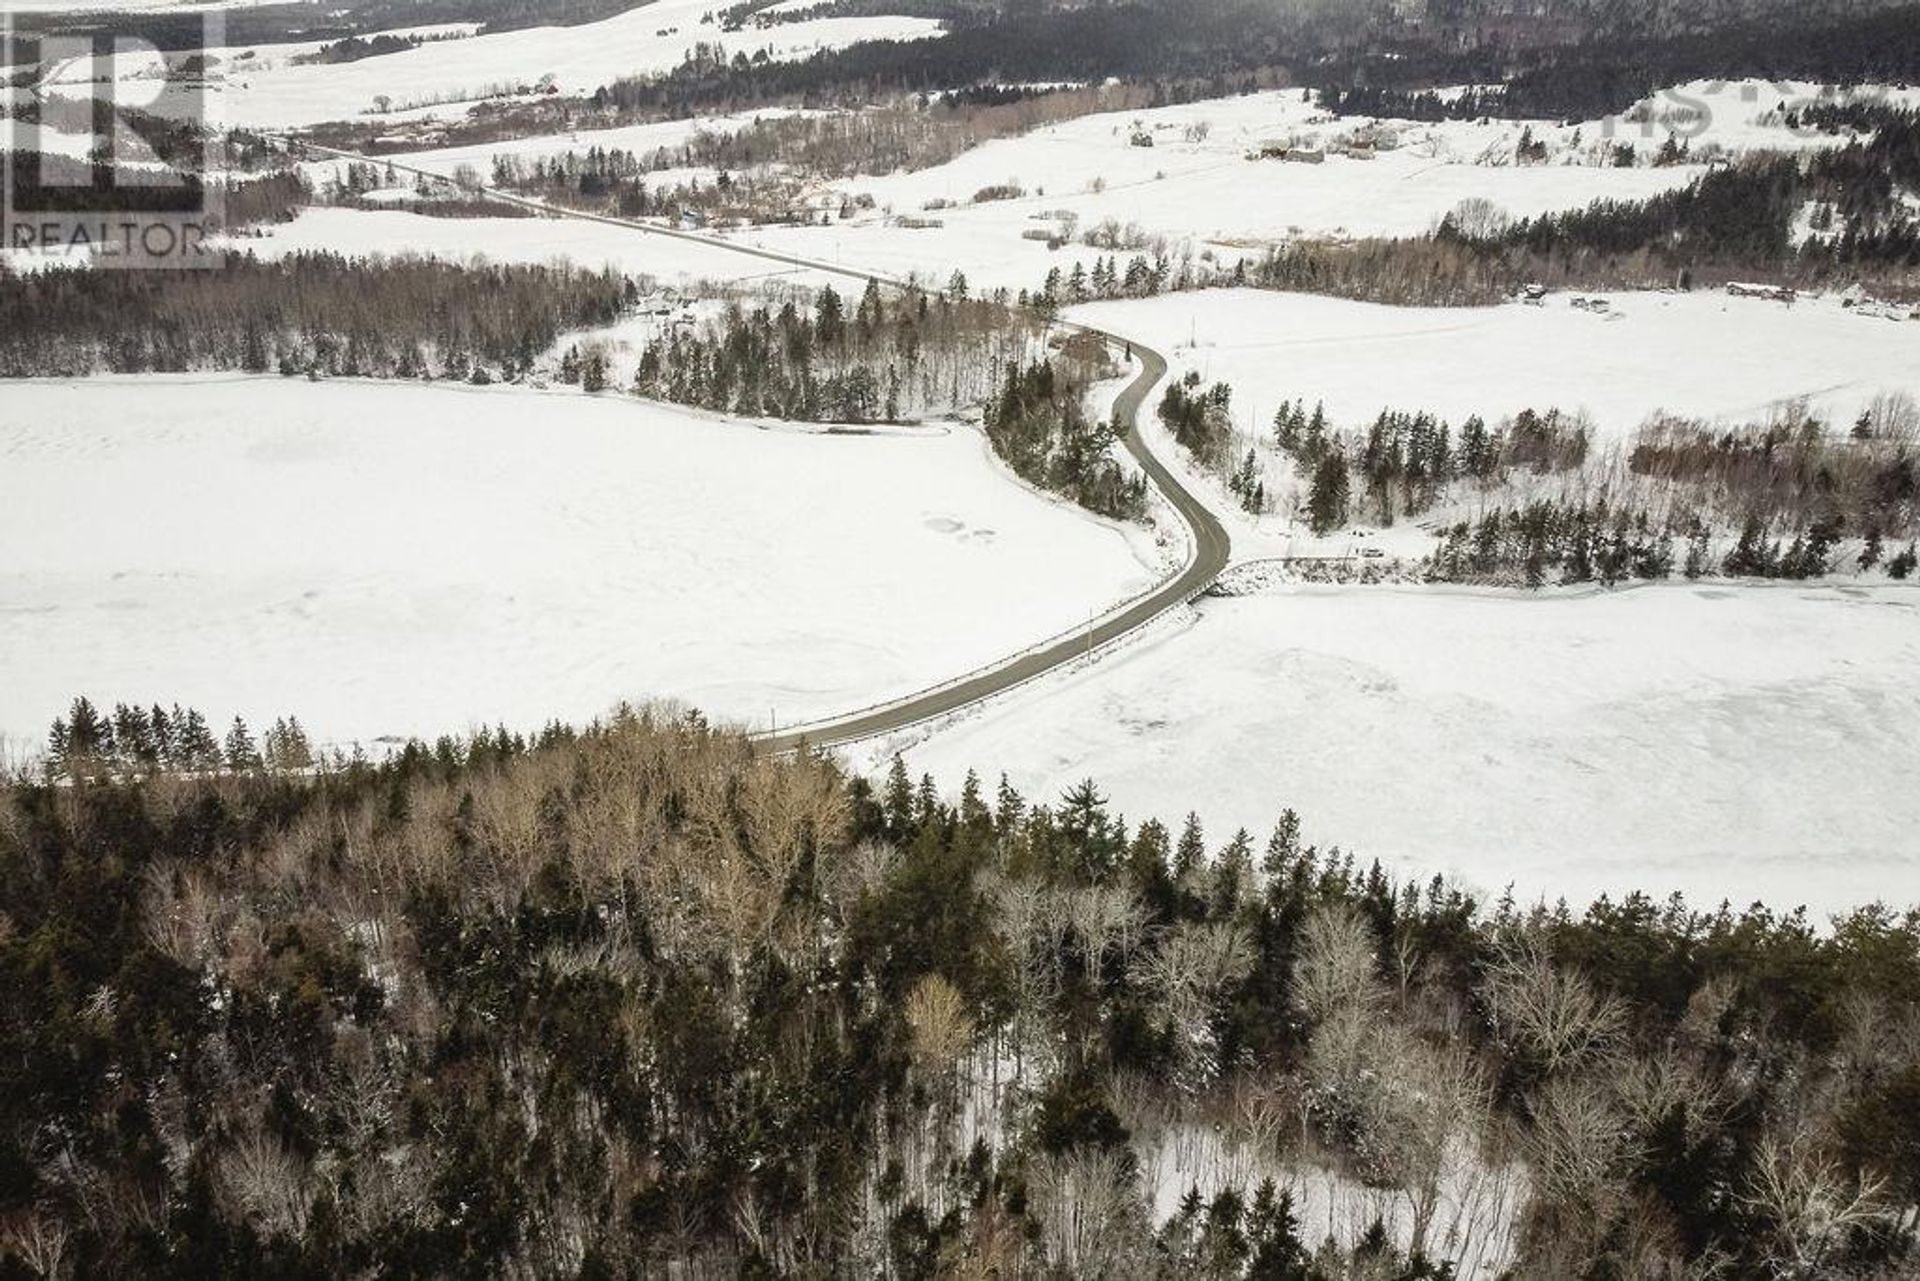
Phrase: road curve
(1209, 544)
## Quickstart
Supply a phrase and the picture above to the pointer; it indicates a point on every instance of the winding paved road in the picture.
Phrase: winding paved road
(1208, 542)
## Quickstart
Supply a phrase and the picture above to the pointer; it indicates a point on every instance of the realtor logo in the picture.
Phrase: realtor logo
(109, 143)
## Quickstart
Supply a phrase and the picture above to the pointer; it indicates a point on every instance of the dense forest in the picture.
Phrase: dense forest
(1584, 66)
(309, 313)
(776, 153)
(1568, 60)
(1038, 424)
(640, 999)
(890, 356)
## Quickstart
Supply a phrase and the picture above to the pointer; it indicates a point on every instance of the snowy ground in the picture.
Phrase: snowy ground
(1199, 186)
(399, 559)
(359, 232)
(1745, 743)
(1702, 354)
(1198, 190)
(641, 140)
(263, 87)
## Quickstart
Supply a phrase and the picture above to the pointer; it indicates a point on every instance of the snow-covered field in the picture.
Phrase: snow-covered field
(1703, 354)
(640, 139)
(1199, 186)
(262, 86)
(360, 232)
(400, 559)
(1745, 743)
(1197, 189)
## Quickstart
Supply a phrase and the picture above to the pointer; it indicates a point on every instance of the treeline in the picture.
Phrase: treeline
(639, 999)
(1580, 62)
(354, 48)
(1431, 271)
(1793, 490)
(909, 133)
(1729, 223)
(1404, 461)
(1795, 470)
(894, 355)
(1038, 425)
(1741, 218)
(309, 313)
(1142, 277)
(1564, 541)
(617, 182)
(1571, 541)
(1201, 49)
(133, 742)
(1559, 61)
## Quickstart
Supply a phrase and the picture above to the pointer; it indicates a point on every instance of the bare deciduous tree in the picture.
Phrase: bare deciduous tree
(37, 1240)
(1810, 1202)
(266, 1184)
(940, 1026)
(1549, 1015)
(1092, 1216)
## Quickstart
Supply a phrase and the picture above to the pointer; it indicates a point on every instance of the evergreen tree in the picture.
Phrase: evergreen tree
(1870, 553)
(1327, 498)
(1697, 552)
(197, 747)
(241, 754)
(89, 738)
(133, 737)
(1191, 852)
(1283, 847)
(897, 802)
(1008, 809)
(829, 323)
(166, 746)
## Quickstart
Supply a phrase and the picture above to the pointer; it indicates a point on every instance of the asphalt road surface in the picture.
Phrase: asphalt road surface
(1208, 539)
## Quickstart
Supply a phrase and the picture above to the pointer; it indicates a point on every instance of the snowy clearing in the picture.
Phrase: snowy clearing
(363, 232)
(262, 86)
(1200, 182)
(391, 559)
(638, 139)
(1747, 743)
(1703, 354)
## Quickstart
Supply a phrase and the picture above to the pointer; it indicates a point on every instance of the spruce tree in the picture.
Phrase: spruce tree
(1327, 498)
(165, 744)
(1008, 808)
(241, 754)
(1283, 847)
(897, 801)
(1191, 852)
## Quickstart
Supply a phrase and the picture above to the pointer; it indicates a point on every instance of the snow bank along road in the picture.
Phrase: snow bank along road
(1209, 544)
